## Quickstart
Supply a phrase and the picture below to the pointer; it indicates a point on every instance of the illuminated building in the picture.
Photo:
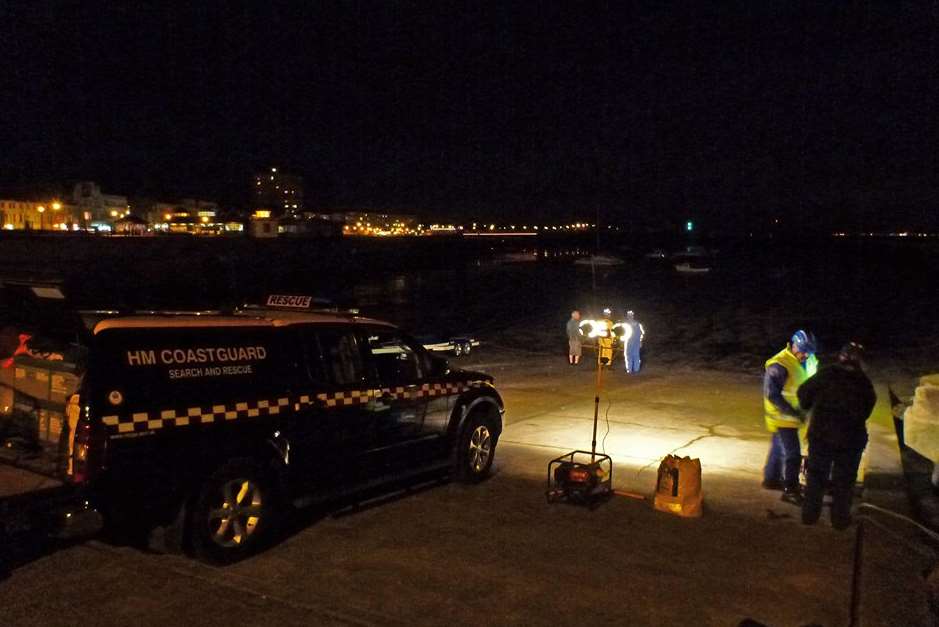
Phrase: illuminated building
(263, 224)
(20, 214)
(101, 209)
(196, 217)
(282, 193)
(130, 225)
(30, 215)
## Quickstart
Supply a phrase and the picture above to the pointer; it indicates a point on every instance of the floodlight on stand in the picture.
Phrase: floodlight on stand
(571, 477)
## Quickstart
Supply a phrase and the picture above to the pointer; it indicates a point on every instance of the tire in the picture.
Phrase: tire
(235, 513)
(476, 448)
(467, 348)
(457, 349)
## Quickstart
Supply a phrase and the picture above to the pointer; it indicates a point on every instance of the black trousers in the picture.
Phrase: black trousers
(841, 465)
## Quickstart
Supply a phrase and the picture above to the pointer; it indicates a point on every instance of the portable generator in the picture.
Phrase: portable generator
(580, 477)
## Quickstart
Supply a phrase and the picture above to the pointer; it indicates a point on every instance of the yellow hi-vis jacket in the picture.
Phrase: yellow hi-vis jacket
(796, 373)
(605, 343)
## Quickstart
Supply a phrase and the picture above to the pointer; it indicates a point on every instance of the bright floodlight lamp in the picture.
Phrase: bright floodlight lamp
(594, 328)
(622, 331)
(589, 328)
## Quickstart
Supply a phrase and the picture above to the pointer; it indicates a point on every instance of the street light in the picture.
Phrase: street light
(42, 211)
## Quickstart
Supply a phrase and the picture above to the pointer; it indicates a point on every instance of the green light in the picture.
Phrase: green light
(689, 226)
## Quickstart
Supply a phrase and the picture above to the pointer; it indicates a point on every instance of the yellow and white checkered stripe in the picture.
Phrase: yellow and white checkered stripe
(359, 397)
(151, 421)
(138, 422)
(343, 399)
(439, 389)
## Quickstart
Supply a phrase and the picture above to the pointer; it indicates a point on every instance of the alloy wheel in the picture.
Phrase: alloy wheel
(480, 448)
(237, 518)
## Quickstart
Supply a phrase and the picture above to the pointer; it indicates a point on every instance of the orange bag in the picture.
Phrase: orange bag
(678, 488)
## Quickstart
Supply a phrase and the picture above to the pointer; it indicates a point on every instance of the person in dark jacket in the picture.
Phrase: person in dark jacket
(575, 348)
(840, 398)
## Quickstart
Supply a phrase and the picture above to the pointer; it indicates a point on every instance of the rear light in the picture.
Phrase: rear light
(80, 468)
(80, 441)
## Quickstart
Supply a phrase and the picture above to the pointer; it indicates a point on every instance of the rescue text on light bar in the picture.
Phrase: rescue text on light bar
(283, 300)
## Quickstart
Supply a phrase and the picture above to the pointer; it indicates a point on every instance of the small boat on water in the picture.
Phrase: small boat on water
(599, 260)
(694, 260)
(688, 267)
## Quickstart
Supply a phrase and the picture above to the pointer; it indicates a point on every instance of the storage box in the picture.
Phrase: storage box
(33, 394)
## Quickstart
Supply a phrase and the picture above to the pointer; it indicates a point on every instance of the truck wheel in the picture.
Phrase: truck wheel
(476, 448)
(457, 349)
(234, 514)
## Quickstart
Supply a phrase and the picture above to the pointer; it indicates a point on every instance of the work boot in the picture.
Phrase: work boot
(792, 495)
(772, 484)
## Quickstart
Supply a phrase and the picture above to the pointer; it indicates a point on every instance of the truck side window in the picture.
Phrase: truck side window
(342, 359)
(315, 365)
(394, 359)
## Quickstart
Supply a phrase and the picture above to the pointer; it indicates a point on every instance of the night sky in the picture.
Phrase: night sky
(735, 115)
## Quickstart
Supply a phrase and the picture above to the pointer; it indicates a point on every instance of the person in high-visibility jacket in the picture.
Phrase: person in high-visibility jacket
(786, 371)
(606, 339)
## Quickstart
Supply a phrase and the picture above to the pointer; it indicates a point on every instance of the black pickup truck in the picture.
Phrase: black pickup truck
(211, 425)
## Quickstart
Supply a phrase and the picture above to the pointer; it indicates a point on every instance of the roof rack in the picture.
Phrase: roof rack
(264, 309)
(178, 312)
(151, 312)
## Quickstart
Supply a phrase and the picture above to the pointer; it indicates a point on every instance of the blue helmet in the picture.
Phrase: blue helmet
(804, 342)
